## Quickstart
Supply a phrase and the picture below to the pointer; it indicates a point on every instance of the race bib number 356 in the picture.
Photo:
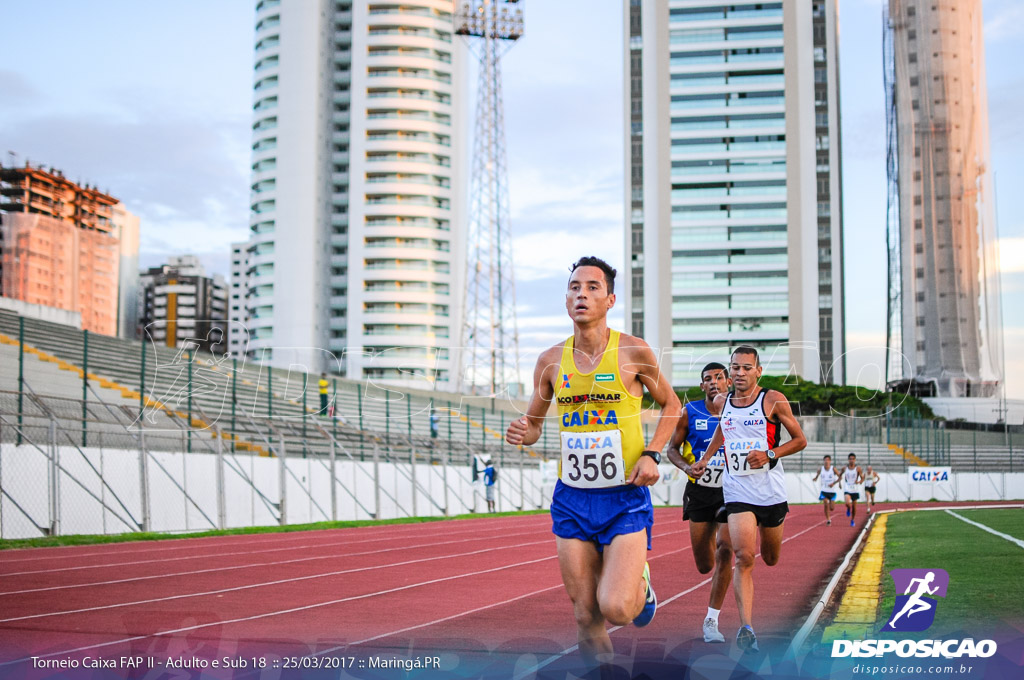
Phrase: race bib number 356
(593, 460)
(736, 456)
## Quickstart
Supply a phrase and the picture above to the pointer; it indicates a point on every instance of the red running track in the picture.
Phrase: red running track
(482, 586)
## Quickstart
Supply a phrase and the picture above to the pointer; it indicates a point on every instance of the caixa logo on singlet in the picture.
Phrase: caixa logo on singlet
(585, 418)
(912, 612)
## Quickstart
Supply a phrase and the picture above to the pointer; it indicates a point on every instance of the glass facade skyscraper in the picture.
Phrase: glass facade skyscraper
(733, 207)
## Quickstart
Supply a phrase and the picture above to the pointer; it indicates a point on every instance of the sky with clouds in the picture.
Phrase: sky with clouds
(151, 101)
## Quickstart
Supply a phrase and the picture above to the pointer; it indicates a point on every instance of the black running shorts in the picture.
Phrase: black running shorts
(702, 503)
(768, 516)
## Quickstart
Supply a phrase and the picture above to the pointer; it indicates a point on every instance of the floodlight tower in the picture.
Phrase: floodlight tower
(490, 337)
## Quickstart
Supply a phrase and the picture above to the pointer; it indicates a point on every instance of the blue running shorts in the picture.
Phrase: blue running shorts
(827, 496)
(599, 515)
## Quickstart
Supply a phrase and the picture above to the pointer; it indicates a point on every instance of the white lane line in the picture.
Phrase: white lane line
(279, 537)
(447, 618)
(490, 606)
(990, 530)
(228, 554)
(322, 604)
(231, 544)
(278, 612)
(570, 650)
(376, 551)
(300, 559)
(263, 584)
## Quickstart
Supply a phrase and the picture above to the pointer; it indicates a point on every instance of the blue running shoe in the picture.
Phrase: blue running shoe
(646, 614)
(746, 640)
(847, 510)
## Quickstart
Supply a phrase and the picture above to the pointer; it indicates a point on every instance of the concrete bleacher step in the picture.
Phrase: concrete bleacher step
(117, 365)
(46, 374)
(109, 391)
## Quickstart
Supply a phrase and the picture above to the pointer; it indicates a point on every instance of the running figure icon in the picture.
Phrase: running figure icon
(915, 603)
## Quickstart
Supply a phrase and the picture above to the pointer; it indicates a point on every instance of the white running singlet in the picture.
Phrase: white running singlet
(746, 429)
(827, 478)
(849, 480)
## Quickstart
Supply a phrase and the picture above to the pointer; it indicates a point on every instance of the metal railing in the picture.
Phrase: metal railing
(162, 473)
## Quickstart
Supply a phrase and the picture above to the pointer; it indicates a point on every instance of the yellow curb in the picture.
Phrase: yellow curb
(859, 607)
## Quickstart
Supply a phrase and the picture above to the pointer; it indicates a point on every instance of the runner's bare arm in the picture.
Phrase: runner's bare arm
(526, 430)
(816, 475)
(640, 359)
(675, 455)
(717, 439)
(777, 406)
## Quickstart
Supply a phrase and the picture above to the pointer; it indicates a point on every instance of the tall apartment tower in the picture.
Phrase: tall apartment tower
(238, 318)
(733, 198)
(951, 328)
(357, 244)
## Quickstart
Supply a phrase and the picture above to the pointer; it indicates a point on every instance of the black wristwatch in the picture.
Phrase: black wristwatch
(656, 455)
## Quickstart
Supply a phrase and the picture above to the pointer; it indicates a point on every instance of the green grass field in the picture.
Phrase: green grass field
(94, 539)
(985, 585)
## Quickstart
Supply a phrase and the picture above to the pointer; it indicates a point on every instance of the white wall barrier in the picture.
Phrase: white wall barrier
(183, 490)
(98, 490)
(893, 487)
(896, 487)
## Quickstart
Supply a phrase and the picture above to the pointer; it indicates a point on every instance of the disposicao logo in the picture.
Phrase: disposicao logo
(914, 611)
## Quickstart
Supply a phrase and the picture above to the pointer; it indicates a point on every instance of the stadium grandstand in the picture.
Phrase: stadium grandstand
(391, 451)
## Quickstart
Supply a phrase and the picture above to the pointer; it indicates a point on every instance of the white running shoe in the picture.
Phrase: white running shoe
(711, 633)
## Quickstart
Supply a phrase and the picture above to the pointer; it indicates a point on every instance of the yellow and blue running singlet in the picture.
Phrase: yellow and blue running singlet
(599, 421)
(601, 441)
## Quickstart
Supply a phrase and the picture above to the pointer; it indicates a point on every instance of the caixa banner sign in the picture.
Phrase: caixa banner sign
(930, 475)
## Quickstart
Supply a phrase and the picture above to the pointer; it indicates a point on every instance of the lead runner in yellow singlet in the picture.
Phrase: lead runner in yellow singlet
(601, 509)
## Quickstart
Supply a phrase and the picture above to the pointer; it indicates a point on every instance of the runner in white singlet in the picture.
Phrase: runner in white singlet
(829, 479)
(754, 485)
(852, 477)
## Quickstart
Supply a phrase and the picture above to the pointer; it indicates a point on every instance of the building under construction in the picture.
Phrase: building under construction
(944, 326)
(68, 246)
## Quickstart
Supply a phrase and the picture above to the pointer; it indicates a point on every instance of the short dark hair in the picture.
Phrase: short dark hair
(714, 366)
(747, 349)
(827, 457)
(852, 455)
(591, 261)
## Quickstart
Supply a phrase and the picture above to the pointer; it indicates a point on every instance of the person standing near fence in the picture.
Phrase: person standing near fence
(601, 508)
(322, 384)
(703, 501)
(489, 479)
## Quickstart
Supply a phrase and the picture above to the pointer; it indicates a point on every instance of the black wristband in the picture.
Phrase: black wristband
(651, 453)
